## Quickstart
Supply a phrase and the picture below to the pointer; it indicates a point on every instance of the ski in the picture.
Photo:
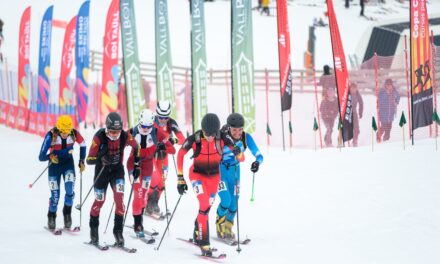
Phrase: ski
(98, 246)
(213, 256)
(151, 233)
(124, 248)
(146, 240)
(56, 232)
(192, 242)
(233, 242)
(156, 216)
(72, 231)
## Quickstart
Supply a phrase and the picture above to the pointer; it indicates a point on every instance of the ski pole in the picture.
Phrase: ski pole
(80, 195)
(79, 206)
(39, 176)
(109, 216)
(168, 224)
(253, 183)
(236, 199)
(165, 194)
(129, 200)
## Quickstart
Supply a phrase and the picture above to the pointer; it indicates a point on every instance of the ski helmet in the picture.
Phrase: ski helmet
(210, 124)
(163, 108)
(235, 120)
(64, 124)
(146, 118)
(113, 121)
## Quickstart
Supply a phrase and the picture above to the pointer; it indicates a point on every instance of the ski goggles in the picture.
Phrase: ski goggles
(146, 127)
(163, 117)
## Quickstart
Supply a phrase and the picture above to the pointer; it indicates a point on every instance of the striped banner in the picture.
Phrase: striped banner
(24, 71)
(44, 62)
(67, 61)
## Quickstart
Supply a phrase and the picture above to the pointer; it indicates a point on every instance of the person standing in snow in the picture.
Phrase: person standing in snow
(229, 186)
(389, 99)
(166, 125)
(147, 136)
(107, 154)
(357, 106)
(59, 142)
(207, 145)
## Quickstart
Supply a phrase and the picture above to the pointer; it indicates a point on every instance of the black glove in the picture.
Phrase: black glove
(236, 150)
(81, 165)
(136, 171)
(160, 146)
(105, 160)
(255, 165)
(174, 140)
(182, 187)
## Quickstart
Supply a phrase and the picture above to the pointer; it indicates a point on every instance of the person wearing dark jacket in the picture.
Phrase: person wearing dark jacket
(358, 109)
(389, 98)
(329, 112)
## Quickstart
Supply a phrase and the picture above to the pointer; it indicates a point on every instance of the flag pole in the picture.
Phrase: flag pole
(372, 140)
(403, 138)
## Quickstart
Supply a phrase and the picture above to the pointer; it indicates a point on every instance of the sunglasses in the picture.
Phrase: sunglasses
(114, 132)
(163, 117)
(146, 127)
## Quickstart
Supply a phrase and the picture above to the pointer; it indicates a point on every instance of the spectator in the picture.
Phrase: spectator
(329, 112)
(361, 3)
(1, 40)
(356, 103)
(389, 98)
(265, 5)
(327, 80)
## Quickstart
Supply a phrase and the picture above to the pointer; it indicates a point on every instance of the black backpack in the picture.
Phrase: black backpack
(197, 140)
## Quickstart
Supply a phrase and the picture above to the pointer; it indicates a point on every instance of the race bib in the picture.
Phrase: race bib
(69, 176)
(146, 182)
(197, 187)
(99, 195)
(119, 186)
(222, 186)
(53, 184)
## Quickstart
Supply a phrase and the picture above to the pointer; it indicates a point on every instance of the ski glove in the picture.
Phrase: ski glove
(160, 146)
(105, 160)
(255, 165)
(236, 150)
(174, 141)
(136, 171)
(182, 187)
(53, 159)
(81, 165)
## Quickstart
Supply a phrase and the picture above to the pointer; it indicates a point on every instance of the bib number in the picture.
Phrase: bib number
(146, 182)
(120, 186)
(221, 186)
(99, 195)
(53, 184)
(197, 187)
(69, 177)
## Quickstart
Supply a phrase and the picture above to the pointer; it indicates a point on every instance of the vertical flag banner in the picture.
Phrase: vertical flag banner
(421, 75)
(198, 62)
(110, 68)
(133, 84)
(24, 71)
(44, 62)
(341, 75)
(67, 61)
(164, 73)
(242, 67)
(284, 55)
(82, 59)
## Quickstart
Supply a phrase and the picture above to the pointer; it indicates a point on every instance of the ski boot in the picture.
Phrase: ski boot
(67, 212)
(94, 232)
(220, 226)
(138, 227)
(206, 250)
(119, 238)
(51, 220)
(228, 230)
(117, 230)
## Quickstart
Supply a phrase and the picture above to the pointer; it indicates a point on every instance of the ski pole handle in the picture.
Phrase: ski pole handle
(253, 184)
(39, 176)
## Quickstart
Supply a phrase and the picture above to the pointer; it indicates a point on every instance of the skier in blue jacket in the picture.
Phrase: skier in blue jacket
(229, 184)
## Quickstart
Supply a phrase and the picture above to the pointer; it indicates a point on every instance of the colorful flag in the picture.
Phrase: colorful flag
(110, 68)
(44, 62)
(82, 59)
(341, 75)
(243, 93)
(67, 61)
(284, 55)
(24, 71)
(402, 121)
(164, 72)
(198, 63)
(133, 84)
(421, 75)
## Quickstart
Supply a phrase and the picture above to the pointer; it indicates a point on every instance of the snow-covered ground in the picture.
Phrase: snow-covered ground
(349, 206)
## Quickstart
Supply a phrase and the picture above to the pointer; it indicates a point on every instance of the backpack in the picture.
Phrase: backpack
(197, 139)
(103, 140)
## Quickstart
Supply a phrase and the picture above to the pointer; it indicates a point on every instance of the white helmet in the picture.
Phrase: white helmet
(163, 108)
(146, 118)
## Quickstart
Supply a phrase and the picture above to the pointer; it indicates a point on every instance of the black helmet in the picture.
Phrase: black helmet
(235, 120)
(113, 121)
(210, 124)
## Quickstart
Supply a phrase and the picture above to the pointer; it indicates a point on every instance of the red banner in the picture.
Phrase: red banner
(33, 121)
(110, 69)
(284, 55)
(12, 116)
(341, 74)
(4, 110)
(67, 62)
(22, 120)
(421, 63)
(41, 124)
(24, 73)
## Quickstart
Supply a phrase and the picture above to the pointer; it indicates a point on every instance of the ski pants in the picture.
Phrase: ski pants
(140, 189)
(67, 171)
(160, 173)
(113, 175)
(228, 190)
(205, 189)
